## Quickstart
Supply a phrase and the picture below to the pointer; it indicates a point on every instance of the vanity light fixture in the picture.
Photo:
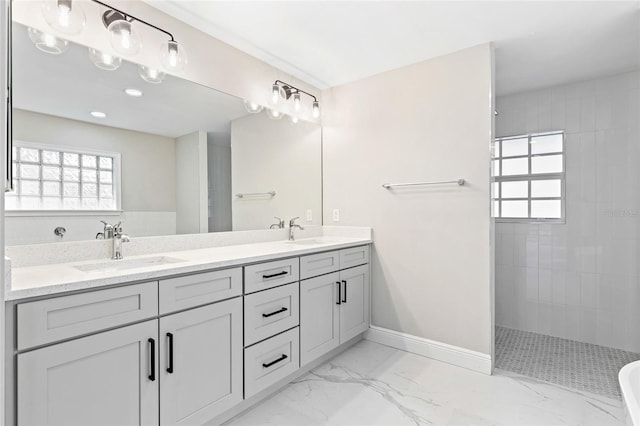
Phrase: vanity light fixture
(98, 114)
(150, 75)
(65, 16)
(47, 42)
(252, 107)
(104, 60)
(285, 91)
(133, 92)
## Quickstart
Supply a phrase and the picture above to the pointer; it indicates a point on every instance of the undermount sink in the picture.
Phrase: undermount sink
(119, 265)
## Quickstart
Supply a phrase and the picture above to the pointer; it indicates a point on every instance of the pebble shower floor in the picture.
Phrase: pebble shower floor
(576, 365)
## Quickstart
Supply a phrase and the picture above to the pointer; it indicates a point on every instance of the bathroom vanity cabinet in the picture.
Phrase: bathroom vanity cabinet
(184, 349)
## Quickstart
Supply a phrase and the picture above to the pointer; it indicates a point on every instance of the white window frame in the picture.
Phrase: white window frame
(529, 177)
(117, 182)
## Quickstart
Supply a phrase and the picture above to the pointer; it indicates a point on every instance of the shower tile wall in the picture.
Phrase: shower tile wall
(579, 280)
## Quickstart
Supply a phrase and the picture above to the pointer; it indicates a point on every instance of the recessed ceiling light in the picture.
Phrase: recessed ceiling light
(133, 92)
(98, 114)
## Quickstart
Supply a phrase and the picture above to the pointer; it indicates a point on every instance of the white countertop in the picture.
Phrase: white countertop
(32, 281)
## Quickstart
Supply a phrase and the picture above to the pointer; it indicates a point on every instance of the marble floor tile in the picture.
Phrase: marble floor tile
(372, 384)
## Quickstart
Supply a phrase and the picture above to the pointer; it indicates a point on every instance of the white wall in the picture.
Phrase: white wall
(191, 186)
(579, 280)
(219, 176)
(275, 155)
(430, 121)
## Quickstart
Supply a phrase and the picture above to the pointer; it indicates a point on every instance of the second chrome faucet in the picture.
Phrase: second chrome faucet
(292, 225)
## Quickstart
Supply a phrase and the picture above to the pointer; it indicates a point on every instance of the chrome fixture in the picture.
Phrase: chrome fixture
(67, 17)
(107, 232)
(255, 194)
(60, 231)
(279, 225)
(460, 182)
(118, 239)
(285, 96)
(292, 225)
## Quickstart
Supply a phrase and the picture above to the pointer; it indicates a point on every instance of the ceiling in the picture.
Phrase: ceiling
(330, 43)
(70, 86)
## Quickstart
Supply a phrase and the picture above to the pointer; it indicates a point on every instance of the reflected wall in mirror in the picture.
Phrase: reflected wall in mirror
(168, 161)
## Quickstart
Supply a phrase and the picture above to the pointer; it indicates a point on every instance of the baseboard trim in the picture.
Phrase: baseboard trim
(450, 354)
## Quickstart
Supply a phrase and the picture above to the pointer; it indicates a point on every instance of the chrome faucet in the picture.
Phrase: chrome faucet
(292, 225)
(279, 225)
(118, 239)
(107, 232)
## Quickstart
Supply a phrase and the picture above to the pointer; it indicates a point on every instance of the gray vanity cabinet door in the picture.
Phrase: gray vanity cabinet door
(354, 310)
(205, 377)
(319, 316)
(102, 379)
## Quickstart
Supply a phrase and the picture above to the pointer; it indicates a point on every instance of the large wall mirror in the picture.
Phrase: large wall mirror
(166, 158)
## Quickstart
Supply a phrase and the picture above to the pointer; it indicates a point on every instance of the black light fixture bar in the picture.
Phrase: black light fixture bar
(133, 18)
(286, 86)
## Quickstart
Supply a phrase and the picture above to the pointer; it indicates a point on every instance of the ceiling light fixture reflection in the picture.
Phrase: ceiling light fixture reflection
(65, 16)
(104, 60)
(252, 107)
(47, 42)
(150, 75)
(274, 114)
(133, 92)
(98, 114)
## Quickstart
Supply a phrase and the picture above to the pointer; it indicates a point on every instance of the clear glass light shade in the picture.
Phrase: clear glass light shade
(294, 119)
(252, 107)
(47, 42)
(173, 56)
(315, 109)
(296, 103)
(65, 16)
(275, 96)
(124, 38)
(150, 75)
(274, 114)
(104, 60)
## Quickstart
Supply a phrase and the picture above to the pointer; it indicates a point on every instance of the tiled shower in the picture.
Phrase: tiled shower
(579, 280)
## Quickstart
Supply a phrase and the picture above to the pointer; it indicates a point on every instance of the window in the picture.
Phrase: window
(50, 178)
(529, 177)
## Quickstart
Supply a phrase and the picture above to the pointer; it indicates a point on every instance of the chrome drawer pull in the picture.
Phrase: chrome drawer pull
(279, 311)
(269, 364)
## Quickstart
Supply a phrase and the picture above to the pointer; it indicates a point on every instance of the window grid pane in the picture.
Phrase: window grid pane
(529, 184)
(46, 179)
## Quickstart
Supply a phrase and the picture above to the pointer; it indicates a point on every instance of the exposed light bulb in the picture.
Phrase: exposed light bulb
(173, 56)
(63, 16)
(150, 75)
(104, 60)
(275, 94)
(297, 103)
(47, 42)
(252, 107)
(294, 119)
(315, 112)
(124, 39)
(275, 114)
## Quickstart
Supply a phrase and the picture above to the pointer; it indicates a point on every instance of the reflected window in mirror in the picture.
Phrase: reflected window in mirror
(47, 179)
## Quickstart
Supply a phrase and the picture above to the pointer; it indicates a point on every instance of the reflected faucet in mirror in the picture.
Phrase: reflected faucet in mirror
(107, 232)
(279, 225)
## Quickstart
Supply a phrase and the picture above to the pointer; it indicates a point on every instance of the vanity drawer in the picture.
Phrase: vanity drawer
(355, 256)
(270, 361)
(319, 264)
(270, 274)
(199, 289)
(59, 318)
(270, 312)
